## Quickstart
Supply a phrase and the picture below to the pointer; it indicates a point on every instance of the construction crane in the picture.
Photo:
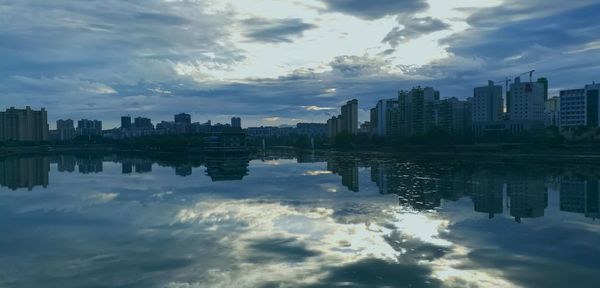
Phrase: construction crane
(530, 75)
(508, 80)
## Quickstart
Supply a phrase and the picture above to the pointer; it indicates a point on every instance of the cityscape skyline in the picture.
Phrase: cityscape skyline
(294, 63)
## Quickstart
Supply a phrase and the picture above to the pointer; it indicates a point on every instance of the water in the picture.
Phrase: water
(325, 220)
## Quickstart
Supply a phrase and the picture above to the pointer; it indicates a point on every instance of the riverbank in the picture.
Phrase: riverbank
(473, 152)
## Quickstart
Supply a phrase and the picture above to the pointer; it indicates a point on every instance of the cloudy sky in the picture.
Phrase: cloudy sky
(278, 62)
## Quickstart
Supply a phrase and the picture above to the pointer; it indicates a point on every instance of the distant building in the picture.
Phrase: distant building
(87, 127)
(579, 107)
(552, 112)
(527, 101)
(24, 125)
(236, 122)
(487, 103)
(201, 128)
(383, 115)
(349, 117)
(225, 139)
(453, 115)
(415, 111)
(183, 118)
(365, 128)
(65, 130)
(311, 129)
(142, 123)
(544, 82)
(334, 127)
(166, 128)
(374, 117)
(126, 122)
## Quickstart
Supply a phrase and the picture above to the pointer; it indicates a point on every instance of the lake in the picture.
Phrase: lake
(297, 220)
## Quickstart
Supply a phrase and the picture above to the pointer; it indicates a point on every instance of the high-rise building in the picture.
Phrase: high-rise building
(24, 125)
(452, 115)
(527, 101)
(487, 103)
(592, 102)
(415, 111)
(552, 112)
(385, 115)
(374, 117)
(333, 127)
(142, 123)
(544, 82)
(183, 118)
(580, 107)
(126, 122)
(87, 127)
(236, 122)
(65, 129)
(349, 117)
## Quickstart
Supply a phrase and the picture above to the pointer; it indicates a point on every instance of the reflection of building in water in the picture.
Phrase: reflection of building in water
(66, 163)
(28, 172)
(183, 170)
(126, 167)
(487, 194)
(455, 184)
(226, 169)
(90, 165)
(528, 197)
(349, 172)
(139, 165)
(310, 158)
(421, 193)
(386, 181)
(580, 195)
(142, 166)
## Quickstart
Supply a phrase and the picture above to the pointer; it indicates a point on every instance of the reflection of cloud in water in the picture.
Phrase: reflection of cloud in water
(103, 197)
(275, 243)
(317, 172)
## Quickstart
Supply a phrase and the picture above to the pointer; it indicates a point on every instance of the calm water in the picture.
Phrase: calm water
(296, 221)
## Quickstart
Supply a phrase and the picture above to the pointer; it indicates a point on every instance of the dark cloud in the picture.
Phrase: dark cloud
(99, 59)
(374, 9)
(274, 31)
(413, 28)
(379, 273)
(514, 10)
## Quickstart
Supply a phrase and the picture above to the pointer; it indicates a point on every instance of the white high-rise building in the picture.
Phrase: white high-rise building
(579, 107)
(527, 101)
(487, 103)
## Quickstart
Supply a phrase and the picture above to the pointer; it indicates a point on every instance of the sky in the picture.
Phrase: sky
(278, 62)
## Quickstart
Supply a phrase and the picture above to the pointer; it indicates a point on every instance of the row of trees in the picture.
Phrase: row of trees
(549, 137)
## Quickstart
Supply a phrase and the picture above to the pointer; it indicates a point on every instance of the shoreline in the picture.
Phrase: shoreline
(458, 152)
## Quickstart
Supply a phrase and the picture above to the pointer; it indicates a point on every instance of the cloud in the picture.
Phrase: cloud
(317, 108)
(413, 28)
(355, 66)
(271, 119)
(371, 10)
(275, 31)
